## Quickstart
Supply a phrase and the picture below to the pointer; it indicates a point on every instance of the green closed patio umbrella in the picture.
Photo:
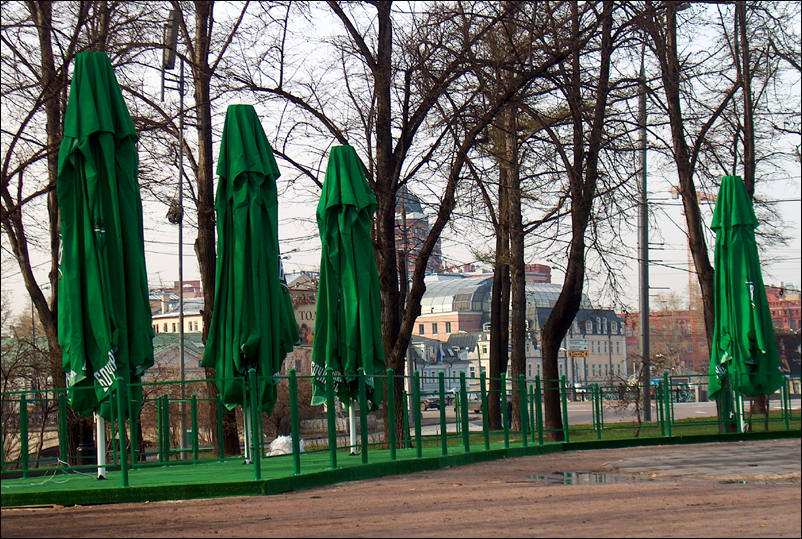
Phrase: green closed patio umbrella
(104, 321)
(744, 353)
(253, 325)
(348, 319)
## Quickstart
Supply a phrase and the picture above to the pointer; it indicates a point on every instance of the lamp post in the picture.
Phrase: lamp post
(643, 245)
(572, 377)
(176, 212)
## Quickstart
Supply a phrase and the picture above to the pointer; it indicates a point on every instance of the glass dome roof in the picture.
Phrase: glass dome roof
(450, 293)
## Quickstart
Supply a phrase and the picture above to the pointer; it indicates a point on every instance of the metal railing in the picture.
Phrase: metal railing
(593, 411)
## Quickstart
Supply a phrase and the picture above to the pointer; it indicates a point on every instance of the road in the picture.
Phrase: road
(580, 413)
(736, 489)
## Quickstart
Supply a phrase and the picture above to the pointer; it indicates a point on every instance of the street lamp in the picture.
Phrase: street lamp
(176, 212)
(573, 370)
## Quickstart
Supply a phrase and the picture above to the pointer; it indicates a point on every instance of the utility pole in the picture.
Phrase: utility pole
(404, 284)
(643, 250)
(176, 214)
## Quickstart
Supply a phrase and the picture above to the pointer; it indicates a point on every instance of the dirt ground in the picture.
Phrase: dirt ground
(495, 499)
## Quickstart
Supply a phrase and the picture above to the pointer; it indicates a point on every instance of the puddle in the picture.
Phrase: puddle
(588, 478)
(603, 478)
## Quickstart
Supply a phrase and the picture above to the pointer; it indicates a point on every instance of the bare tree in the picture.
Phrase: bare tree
(582, 169)
(196, 26)
(40, 41)
(411, 71)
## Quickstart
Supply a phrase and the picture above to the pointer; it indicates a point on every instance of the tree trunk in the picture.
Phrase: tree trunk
(205, 242)
(746, 90)
(499, 307)
(517, 274)
(385, 186)
(670, 76)
(583, 177)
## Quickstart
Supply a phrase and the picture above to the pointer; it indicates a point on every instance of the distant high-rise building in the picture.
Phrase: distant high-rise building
(785, 307)
(409, 239)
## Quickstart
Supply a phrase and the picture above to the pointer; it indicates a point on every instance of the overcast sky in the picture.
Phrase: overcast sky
(669, 271)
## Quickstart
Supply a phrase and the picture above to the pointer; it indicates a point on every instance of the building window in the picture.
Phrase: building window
(618, 347)
(484, 349)
(589, 326)
(164, 327)
(473, 372)
(593, 368)
(538, 369)
(614, 326)
(605, 347)
(434, 328)
(604, 325)
(448, 327)
(420, 329)
(174, 330)
(155, 328)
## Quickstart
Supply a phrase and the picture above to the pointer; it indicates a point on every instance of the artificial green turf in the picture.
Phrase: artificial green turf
(233, 478)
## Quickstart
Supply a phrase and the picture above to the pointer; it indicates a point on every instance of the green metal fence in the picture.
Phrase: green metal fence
(35, 436)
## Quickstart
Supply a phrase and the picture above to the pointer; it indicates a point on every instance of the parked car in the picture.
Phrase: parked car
(430, 403)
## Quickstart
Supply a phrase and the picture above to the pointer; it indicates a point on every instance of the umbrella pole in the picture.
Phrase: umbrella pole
(247, 414)
(100, 428)
(352, 427)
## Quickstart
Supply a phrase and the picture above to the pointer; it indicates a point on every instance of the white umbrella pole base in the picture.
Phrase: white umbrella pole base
(100, 430)
(352, 429)
(247, 424)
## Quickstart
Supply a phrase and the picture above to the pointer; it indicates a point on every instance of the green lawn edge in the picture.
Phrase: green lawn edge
(289, 483)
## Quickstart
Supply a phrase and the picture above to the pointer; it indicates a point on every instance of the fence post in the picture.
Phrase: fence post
(598, 407)
(121, 428)
(405, 418)
(441, 388)
(522, 406)
(363, 414)
(331, 420)
(391, 411)
(23, 434)
(194, 412)
(159, 428)
(294, 424)
(457, 414)
(62, 431)
(661, 413)
(504, 411)
(667, 403)
(166, 432)
(786, 393)
(463, 396)
(253, 402)
(483, 387)
(601, 408)
(133, 432)
(112, 430)
(220, 436)
(416, 412)
(539, 409)
(564, 402)
(531, 412)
